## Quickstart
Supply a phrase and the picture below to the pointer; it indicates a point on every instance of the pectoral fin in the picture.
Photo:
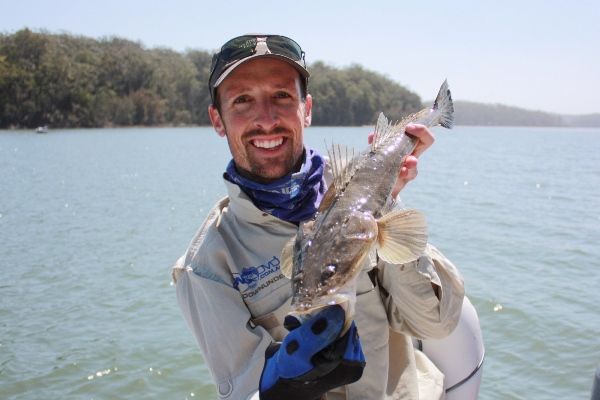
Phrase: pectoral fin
(287, 258)
(402, 236)
(373, 257)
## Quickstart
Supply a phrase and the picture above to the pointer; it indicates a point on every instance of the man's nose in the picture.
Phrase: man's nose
(267, 116)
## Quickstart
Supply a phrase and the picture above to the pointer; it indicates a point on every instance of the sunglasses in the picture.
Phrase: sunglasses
(245, 46)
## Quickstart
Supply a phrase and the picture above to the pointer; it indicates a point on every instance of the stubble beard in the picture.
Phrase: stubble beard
(265, 170)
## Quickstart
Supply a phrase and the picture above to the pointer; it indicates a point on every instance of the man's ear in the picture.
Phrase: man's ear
(307, 111)
(216, 121)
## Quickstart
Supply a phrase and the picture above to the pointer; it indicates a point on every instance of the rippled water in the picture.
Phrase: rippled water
(91, 220)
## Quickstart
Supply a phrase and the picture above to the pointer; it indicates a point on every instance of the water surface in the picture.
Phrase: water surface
(91, 221)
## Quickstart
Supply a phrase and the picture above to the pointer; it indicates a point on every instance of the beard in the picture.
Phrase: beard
(265, 169)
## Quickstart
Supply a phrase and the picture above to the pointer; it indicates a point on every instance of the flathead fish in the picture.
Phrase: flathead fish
(354, 221)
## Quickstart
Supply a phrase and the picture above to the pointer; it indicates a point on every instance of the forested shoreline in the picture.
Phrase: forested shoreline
(68, 81)
(62, 80)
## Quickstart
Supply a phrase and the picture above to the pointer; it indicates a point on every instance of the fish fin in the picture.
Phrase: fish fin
(392, 204)
(382, 126)
(343, 164)
(402, 236)
(328, 199)
(373, 257)
(287, 258)
(444, 106)
(385, 129)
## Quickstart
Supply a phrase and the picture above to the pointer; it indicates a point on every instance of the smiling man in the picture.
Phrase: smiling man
(229, 285)
(262, 112)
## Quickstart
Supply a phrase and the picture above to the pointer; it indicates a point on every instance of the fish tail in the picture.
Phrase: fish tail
(444, 106)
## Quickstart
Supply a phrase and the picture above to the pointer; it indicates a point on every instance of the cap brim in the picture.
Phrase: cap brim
(303, 71)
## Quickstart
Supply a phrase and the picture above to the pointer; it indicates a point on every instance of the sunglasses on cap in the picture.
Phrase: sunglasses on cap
(236, 50)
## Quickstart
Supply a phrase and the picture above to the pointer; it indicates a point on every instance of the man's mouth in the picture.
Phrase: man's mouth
(267, 143)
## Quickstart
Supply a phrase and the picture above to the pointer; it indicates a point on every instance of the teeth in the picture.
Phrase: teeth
(268, 144)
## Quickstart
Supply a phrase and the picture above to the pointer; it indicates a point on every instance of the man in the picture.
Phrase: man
(228, 283)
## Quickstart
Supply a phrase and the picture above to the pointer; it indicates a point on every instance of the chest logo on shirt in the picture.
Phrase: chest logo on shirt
(253, 279)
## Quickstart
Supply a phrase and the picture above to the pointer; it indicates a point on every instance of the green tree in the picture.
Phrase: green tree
(72, 81)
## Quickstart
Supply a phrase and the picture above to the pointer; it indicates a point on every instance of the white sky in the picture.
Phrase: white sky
(535, 54)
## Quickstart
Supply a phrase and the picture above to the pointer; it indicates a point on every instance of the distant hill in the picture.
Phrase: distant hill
(471, 113)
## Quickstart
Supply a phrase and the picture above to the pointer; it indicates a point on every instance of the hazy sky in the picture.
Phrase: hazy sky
(542, 55)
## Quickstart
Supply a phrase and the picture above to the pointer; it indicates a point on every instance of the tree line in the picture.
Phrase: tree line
(63, 80)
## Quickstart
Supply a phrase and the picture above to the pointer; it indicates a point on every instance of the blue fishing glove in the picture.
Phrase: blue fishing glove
(312, 359)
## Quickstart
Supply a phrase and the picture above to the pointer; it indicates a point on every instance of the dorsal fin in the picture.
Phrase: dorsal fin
(328, 199)
(380, 128)
(343, 163)
(386, 129)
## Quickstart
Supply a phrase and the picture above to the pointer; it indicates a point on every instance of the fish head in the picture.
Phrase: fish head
(328, 256)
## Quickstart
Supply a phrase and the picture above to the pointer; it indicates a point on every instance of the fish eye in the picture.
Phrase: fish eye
(328, 271)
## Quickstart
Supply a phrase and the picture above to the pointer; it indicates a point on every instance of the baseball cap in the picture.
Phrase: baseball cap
(247, 47)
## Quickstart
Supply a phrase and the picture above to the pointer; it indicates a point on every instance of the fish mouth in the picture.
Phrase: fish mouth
(268, 143)
(317, 305)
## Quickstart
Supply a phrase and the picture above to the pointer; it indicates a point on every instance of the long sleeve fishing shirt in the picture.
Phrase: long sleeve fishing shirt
(234, 299)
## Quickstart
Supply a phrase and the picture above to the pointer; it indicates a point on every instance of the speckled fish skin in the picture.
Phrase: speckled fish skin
(329, 250)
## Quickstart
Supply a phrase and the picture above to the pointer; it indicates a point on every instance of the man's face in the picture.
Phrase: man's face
(263, 117)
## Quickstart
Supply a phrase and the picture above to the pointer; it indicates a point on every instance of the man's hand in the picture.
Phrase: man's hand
(408, 169)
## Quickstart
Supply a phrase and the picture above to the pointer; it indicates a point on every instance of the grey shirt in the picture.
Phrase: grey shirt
(234, 298)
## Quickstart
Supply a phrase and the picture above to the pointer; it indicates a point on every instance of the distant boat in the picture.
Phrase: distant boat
(42, 129)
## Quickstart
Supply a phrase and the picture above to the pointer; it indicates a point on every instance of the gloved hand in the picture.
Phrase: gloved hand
(312, 359)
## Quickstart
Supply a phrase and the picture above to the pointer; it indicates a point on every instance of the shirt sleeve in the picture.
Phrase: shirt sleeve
(410, 301)
(232, 347)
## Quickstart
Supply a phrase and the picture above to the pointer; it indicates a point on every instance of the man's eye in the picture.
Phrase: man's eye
(282, 95)
(241, 99)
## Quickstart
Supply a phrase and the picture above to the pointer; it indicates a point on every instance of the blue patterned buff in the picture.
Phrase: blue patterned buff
(292, 198)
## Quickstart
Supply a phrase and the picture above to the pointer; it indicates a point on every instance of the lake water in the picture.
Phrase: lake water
(92, 220)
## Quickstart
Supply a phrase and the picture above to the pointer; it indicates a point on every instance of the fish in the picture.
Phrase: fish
(354, 220)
